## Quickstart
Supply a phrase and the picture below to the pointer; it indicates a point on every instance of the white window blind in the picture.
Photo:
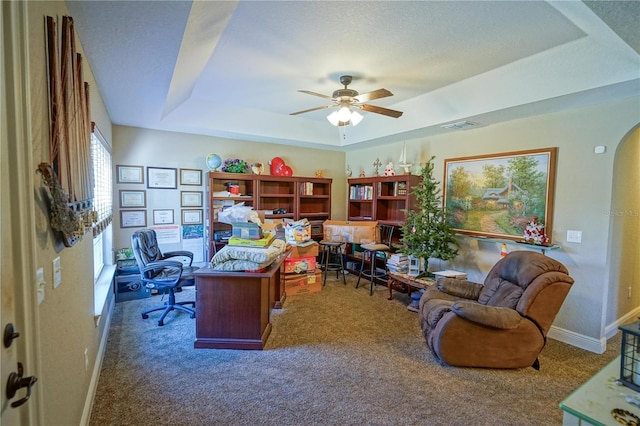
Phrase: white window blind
(102, 189)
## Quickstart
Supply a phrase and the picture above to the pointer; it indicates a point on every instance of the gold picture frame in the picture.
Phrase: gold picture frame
(497, 195)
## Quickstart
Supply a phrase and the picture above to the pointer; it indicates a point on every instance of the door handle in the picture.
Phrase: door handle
(16, 382)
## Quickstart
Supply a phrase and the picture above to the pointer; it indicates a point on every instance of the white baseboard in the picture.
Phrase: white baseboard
(97, 368)
(611, 329)
(581, 341)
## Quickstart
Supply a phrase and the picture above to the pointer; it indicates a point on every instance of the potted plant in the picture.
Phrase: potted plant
(426, 233)
(234, 165)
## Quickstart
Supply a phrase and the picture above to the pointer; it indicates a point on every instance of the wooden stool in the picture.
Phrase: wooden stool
(331, 259)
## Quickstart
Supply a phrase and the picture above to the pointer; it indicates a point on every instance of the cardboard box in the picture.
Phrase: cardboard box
(310, 248)
(246, 231)
(360, 232)
(303, 283)
(272, 225)
(299, 265)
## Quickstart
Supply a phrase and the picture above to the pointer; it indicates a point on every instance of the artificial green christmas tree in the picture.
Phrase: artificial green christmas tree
(426, 233)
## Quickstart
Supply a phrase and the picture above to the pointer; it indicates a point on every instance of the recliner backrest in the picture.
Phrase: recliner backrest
(529, 282)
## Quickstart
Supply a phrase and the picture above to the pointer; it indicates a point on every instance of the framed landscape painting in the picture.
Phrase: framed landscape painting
(497, 195)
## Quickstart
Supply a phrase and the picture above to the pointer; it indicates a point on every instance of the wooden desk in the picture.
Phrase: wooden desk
(409, 280)
(592, 402)
(232, 308)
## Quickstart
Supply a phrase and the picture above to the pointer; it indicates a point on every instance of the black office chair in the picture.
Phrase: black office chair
(166, 276)
(370, 251)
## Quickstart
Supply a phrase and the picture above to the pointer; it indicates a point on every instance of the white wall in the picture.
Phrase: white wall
(583, 197)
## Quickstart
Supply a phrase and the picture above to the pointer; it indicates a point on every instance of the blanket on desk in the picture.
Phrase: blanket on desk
(238, 258)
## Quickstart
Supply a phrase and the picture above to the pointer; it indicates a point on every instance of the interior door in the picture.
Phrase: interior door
(16, 225)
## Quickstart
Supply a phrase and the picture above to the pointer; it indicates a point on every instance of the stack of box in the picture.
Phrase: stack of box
(301, 272)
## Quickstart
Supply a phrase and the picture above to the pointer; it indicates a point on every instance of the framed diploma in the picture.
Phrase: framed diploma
(130, 199)
(162, 178)
(129, 174)
(190, 199)
(133, 218)
(192, 177)
(163, 217)
(192, 217)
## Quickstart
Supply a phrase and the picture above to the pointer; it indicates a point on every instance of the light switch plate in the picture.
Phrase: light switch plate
(57, 272)
(574, 236)
(40, 284)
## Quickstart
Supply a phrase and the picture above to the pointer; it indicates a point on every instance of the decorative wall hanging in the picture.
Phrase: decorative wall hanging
(70, 134)
(498, 195)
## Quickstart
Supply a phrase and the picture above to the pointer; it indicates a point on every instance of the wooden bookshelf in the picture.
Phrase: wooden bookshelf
(280, 197)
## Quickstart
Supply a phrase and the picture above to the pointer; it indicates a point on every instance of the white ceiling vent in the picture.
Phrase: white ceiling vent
(460, 125)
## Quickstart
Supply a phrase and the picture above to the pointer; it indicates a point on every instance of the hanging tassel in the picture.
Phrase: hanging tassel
(503, 251)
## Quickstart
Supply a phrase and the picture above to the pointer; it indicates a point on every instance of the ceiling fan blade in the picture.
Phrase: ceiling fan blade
(312, 109)
(315, 94)
(376, 94)
(380, 110)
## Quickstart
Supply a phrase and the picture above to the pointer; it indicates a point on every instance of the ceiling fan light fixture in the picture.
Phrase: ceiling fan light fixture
(333, 118)
(356, 117)
(344, 113)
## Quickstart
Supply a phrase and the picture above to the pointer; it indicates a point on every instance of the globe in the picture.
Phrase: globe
(213, 161)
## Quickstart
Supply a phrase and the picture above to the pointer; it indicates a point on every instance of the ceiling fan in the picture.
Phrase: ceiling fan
(347, 100)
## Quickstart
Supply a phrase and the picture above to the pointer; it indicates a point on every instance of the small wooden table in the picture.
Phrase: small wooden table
(409, 280)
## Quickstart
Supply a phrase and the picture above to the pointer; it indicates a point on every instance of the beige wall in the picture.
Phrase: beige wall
(142, 147)
(67, 325)
(583, 202)
(583, 195)
(624, 288)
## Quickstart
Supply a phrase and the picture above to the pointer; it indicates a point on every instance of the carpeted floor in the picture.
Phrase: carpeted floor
(336, 357)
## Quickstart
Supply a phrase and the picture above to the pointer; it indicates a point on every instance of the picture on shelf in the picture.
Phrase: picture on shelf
(498, 195)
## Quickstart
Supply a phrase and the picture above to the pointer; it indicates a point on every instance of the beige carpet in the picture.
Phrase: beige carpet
(336, 357)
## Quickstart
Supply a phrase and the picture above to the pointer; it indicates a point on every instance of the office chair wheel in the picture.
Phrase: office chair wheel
(145, 316)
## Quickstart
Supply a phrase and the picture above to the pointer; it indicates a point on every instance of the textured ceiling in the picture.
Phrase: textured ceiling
(233, 69)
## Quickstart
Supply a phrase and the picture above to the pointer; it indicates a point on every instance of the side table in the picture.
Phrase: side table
(409, 280)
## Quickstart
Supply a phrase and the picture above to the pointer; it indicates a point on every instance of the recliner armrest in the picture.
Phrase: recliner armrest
(177, 253)
(459, 288)
(491, 316)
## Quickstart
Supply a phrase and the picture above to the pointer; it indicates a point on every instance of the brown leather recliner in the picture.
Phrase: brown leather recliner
(501, 324)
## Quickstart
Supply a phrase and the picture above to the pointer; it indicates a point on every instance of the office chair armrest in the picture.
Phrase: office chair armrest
(177, 253)
(172, 265)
